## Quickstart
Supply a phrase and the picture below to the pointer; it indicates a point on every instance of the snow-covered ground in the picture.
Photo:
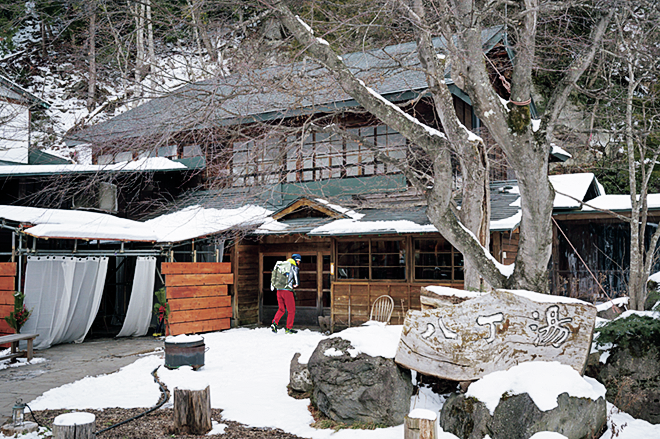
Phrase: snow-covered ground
(248, 371)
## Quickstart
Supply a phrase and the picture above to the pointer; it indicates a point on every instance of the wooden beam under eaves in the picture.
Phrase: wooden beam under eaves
(305, 202)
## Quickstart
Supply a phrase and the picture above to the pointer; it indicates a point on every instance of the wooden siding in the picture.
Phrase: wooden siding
(246, 287)
(504, 246)
(7, 285)
(351, 301)
(197, 293)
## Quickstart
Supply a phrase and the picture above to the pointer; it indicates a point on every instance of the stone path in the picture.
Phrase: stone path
(68, 363)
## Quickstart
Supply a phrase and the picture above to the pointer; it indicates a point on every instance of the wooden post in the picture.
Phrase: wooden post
(420, 424)
(76, 425)
(192, 411)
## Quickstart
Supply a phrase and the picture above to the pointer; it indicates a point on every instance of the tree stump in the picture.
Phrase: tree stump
(192, 411)
(420, 424)
(76, 425)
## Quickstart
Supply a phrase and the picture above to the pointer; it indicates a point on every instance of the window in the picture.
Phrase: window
(371, 259)
(319, 156)
(257, 162)
(168, 151)
(192, 151)
(322, 156)
(437, 259)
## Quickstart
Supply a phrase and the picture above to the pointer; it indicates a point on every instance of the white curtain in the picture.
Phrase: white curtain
(64, 294)
(138, 315)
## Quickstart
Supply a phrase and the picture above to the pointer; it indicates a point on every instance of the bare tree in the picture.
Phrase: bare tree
(630, 108)
(460, 23)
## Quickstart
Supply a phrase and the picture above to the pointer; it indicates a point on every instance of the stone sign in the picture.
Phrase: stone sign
(495, 331)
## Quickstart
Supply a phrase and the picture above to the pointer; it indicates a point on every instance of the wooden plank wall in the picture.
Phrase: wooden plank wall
(198, 295)
(246, 288)
(7, 289)
(505, 246)
(358, 297)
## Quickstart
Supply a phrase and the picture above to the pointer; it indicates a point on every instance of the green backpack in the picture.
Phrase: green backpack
(279, 278)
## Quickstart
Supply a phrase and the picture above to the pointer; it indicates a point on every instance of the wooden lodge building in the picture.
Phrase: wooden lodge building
(361, 230)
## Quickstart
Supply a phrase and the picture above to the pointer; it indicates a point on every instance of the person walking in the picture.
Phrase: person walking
(285, 279)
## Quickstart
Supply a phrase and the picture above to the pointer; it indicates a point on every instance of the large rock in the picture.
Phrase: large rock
(467, 340)
(632, 378)
(517, 417)
(353, 388)
(299, 379)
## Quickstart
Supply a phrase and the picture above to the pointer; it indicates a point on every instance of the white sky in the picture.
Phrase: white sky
(258, 397)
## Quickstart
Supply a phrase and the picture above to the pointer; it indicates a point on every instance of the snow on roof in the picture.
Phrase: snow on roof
(353, 214)
(510, 223)
(189, 223)
(559, 151)
(573, 185)
(196, 221)
(354, 227)
(72, 224)
(619, 202)
(144, 164)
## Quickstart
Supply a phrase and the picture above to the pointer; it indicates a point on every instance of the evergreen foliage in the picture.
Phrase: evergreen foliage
(635, 333)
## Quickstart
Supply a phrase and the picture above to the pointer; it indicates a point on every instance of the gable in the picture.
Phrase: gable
(306, 208)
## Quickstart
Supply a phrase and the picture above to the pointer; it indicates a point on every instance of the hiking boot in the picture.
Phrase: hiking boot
(290, 331)
(273, 327)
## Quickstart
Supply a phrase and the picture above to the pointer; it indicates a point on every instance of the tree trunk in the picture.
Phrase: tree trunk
(139, 46)
(419, 428)
(91, 54)
(76, 425)
(192, 411)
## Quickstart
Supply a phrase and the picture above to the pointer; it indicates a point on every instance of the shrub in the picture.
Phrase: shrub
(636, 333)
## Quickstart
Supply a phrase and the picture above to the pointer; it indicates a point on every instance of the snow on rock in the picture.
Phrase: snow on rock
(524, 378)
(453, 292)
(262, 400)
(545, 298)
(619, 301)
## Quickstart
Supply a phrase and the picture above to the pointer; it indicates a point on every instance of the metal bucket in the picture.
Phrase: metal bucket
(184, 354)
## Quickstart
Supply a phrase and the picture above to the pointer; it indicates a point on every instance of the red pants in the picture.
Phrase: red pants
(285, 300)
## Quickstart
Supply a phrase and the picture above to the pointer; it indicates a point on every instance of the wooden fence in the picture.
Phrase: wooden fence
(198, 295)
(7, 289)
(351, 301)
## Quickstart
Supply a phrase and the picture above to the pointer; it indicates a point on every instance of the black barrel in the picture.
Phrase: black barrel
(184, 353)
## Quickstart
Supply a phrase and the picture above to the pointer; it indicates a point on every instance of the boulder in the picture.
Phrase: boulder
(518, 417)
(352, 387)
(299, 379)
(632, 378)
(489, 332)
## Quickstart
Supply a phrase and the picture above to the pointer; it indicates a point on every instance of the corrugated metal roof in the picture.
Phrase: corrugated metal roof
(271, 93)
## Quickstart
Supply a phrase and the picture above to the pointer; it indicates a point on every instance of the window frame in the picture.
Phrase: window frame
(403, 246)
(454, 253)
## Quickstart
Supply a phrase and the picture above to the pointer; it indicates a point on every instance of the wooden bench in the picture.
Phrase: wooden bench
(14, 339)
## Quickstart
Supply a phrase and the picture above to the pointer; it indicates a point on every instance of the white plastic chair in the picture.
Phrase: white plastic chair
(381, 309)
